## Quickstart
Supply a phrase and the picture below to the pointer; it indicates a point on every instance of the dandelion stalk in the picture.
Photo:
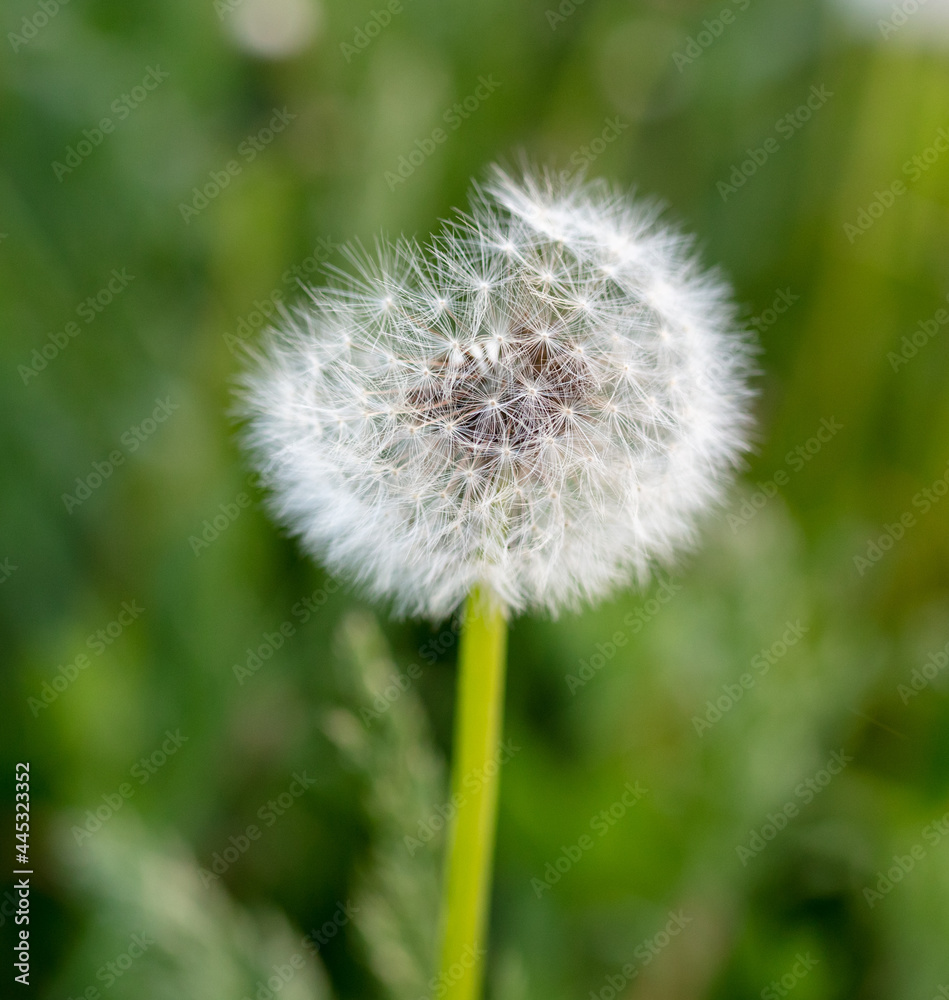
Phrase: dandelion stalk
(532, 410)
(478, 723)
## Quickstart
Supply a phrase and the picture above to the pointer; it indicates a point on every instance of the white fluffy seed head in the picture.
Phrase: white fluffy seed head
(541, 404)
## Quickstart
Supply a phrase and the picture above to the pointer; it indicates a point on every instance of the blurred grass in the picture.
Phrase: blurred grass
(318, 183)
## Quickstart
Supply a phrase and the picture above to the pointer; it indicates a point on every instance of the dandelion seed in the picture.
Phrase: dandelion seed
(550, 353)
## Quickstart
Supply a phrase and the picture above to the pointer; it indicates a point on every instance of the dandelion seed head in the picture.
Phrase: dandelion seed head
(551, 394)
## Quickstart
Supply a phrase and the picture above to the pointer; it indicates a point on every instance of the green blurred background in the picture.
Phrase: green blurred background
(823, 583)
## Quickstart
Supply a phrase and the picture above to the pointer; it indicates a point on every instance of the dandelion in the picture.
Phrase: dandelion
(531, 412)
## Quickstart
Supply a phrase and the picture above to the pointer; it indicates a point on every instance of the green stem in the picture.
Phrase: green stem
(479, 710)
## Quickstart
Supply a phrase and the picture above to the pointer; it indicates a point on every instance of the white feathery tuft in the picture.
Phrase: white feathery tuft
(541, 404)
